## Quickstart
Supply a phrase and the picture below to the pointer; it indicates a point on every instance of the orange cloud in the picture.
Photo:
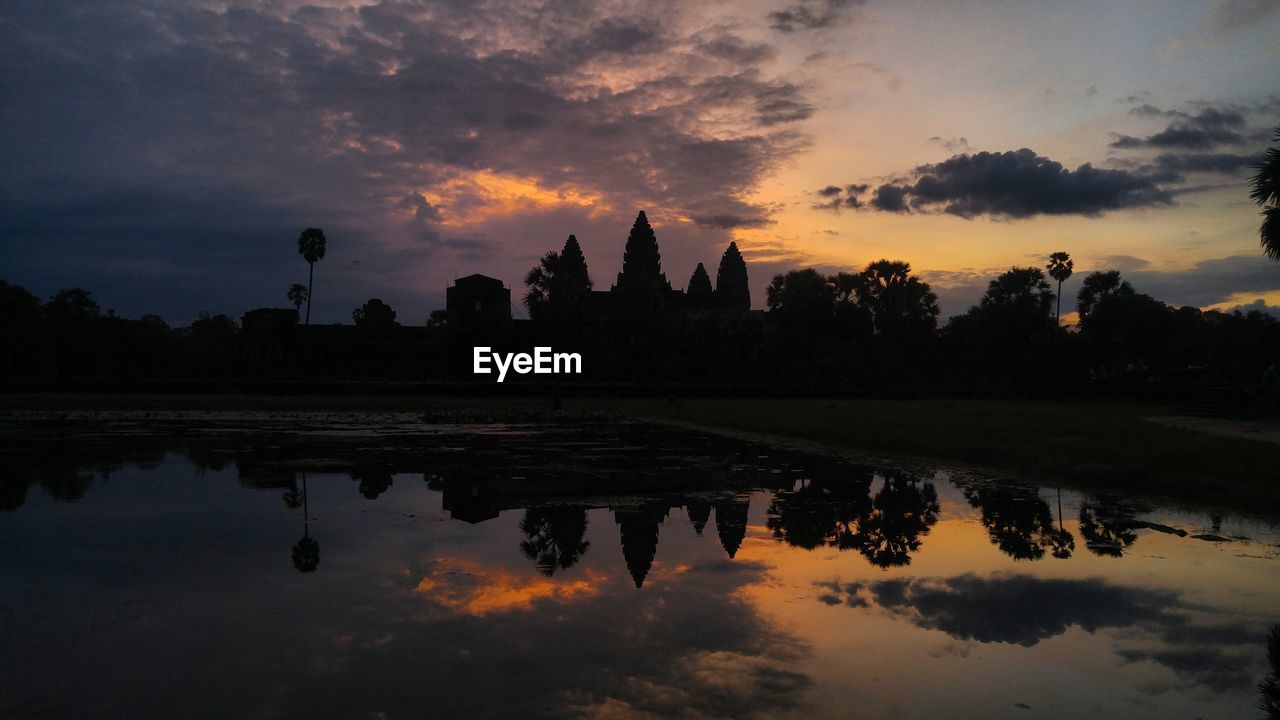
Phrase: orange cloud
(482, 195)
(466, 587)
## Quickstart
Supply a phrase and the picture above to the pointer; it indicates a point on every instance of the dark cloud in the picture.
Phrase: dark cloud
(811, 14)
(890, 198)
(194, 141)
(1230, 15)
(730, 47)
(1125, 263)
(1210, 281)
(1016, 609)
(1148, 625)
(834, 197)
(1017, 184)
(1206, 129)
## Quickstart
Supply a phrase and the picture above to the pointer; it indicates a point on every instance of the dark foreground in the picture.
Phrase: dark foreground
(401, 565)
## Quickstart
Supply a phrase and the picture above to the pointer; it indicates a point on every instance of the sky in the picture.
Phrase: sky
(165, 154)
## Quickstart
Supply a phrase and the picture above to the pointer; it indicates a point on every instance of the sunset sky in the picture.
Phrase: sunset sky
(165, 155)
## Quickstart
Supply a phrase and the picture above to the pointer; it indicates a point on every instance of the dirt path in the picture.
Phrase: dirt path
(1246, 429)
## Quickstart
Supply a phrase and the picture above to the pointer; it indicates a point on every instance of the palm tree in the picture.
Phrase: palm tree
(541, 282)
(298, 294)
(1060, 269)
(311, 244)
(1266, 193)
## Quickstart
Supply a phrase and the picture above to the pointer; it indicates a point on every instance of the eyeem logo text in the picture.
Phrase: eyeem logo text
(542, 362)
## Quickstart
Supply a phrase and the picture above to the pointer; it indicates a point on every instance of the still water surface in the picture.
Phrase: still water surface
(334, 567)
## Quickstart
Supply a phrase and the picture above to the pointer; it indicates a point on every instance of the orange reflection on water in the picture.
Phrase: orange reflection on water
(467, 587)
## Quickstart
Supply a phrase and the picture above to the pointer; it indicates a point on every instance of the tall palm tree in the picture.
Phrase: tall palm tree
(1059, 267)
(311, 247)
(1266, 192)
(298, 294)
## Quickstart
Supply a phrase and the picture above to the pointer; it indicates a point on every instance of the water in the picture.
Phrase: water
(330, 566)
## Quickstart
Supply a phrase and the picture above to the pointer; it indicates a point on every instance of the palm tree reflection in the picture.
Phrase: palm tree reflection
(306, 552)
(1107, 527)
(1019, 522)
(555, 537)
(885, 528)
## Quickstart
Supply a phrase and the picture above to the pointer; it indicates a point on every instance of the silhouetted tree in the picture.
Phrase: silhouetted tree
(699, 285)
(558, 287)
(1016, 305)
(902, 306)
(1098, 285)
(297, 295)
(374, 315)
(1060, 267)
(733, 291)
(555, 537)
(21, 327)
(311, 246)
(438, 318)
(1265, 191)
(802, 296)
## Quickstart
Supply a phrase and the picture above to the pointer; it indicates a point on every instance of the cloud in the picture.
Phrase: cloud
(228, 127)
(811, 14)
(1230, 15)
(1206, 129)
(1017, 184)
(1208, 282)
(1146, 624)
(834, 197)
(1016, 609)
(1258, 305)
(1125, 263)
(960, 144)
(1222, 163)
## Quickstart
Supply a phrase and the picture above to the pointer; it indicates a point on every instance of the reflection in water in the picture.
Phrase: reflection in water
(1107, 526)
(1019, 521)
(639, 530)
(841, 513)
(555, 537)
(699, 513)
(306, 553)
(417, 612)
(731, 522)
